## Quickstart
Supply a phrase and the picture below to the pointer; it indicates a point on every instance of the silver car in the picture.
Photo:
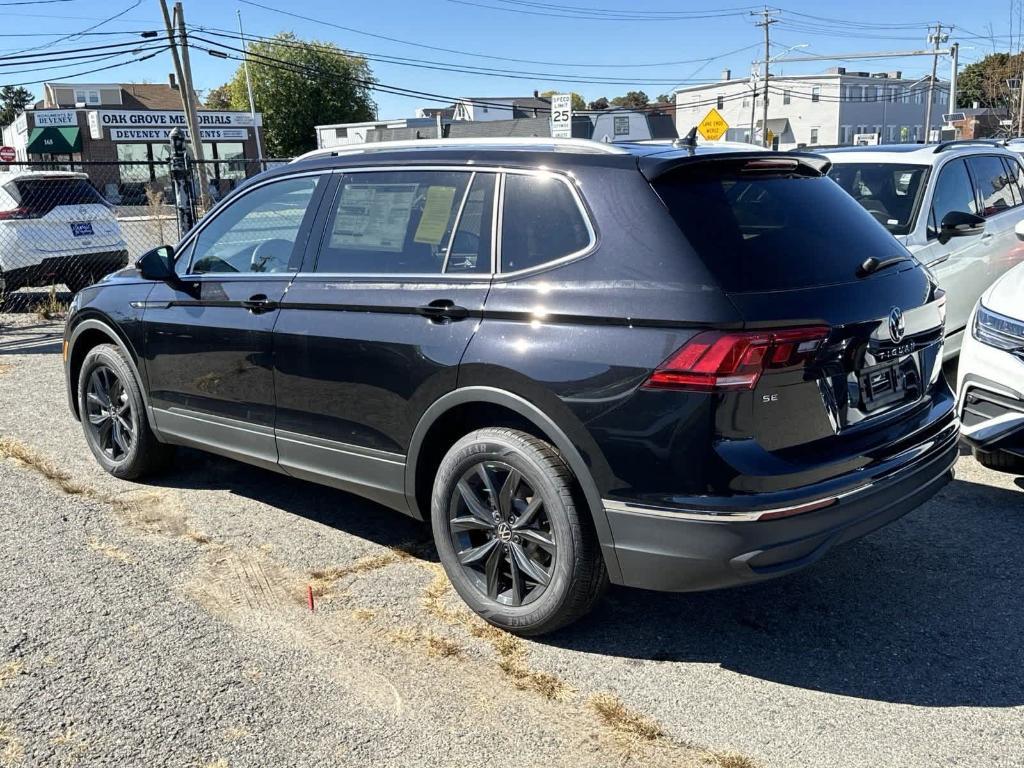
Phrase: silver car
(954, 205)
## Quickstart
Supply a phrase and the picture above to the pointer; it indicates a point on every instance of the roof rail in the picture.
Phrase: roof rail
(515, 143)
(942, 146)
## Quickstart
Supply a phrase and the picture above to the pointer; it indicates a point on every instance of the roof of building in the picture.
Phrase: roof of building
(879, 78)
(150, 96)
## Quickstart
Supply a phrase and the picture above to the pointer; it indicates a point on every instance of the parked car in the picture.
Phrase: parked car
(581, 362)
(954, 205)
(990, 377)
(55, 228)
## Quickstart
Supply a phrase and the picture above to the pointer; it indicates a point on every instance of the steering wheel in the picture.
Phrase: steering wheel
(271, 256)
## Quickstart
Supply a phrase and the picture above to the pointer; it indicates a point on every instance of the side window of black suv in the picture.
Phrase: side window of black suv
(540, 222)
(410, 222)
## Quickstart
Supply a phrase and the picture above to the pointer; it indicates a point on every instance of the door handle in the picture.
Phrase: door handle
(259, 303)
(443, 309)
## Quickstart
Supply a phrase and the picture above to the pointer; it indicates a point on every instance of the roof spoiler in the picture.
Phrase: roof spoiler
(656, 166)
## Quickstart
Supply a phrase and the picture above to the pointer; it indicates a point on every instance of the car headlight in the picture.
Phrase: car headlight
(998, 330)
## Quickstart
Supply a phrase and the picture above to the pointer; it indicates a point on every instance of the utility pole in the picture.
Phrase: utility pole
(248, 85)
(184, 72)
(766, 21)
(935, 38)
(753, 101)
(954, 74)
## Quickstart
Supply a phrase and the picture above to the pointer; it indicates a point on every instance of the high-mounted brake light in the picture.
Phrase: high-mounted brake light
(723, 360)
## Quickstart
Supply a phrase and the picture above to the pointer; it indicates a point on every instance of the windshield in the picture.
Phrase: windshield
(888, 191)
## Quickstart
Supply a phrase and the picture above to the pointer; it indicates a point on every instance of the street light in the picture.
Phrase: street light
(754, 86)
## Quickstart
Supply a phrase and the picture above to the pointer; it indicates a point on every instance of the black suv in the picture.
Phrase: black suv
(659, 366)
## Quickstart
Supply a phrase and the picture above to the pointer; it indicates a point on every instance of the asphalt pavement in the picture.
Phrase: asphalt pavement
(168, 623)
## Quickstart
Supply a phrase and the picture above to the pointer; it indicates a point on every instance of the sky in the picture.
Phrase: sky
(649, 45)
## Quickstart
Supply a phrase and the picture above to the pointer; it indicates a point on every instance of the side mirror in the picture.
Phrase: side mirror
(960, 223)
(158, 264)
(1019, 229)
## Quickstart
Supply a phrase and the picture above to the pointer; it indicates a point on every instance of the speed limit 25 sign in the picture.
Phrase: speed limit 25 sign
(561, 116)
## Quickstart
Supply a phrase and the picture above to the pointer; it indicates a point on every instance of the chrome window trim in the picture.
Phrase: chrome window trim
(189, 240)
(497, 223)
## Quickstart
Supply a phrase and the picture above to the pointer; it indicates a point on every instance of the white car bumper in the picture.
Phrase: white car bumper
(990, 395)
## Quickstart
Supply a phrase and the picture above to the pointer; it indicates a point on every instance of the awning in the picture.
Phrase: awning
(52, 140)
(777, 125)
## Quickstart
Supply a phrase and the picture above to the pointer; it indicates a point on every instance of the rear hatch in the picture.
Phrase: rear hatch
(840, 354)
(62, 215)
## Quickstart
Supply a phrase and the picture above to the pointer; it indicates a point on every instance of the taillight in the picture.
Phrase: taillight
(18, 213)
(727, 360)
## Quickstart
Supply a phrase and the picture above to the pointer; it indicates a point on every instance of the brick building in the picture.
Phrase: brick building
(119, 134)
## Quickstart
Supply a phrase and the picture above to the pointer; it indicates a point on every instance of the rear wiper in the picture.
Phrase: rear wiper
(871, 265)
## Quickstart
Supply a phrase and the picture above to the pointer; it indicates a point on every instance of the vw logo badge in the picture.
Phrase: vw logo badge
(897, 325)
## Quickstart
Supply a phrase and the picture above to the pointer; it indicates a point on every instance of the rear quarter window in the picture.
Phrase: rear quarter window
(769, 233)
(541, 222)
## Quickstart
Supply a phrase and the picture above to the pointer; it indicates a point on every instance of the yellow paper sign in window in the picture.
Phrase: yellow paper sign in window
(436, 212)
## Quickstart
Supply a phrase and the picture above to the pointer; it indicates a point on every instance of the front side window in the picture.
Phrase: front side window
(410, 222)
(258, 232)
(540, 222)
(993, 184)
(953, 192)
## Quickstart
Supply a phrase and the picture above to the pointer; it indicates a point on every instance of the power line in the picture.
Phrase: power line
(92, 71)
(98, 24)
(622, 16)
(462, 68)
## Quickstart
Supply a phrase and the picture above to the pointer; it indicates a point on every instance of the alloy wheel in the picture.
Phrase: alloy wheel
(502, 534)
(109, 413)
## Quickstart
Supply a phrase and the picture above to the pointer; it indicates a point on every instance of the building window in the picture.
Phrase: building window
(871, 93)
(844, 134)
(786, 97)
(720, 102)
(620, 126)
(87, 96)
(746, 101)
(816, 93)
(814, 135)
(341, 133)
(919, 96)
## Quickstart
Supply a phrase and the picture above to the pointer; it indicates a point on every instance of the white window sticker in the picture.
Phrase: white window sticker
(373, 216)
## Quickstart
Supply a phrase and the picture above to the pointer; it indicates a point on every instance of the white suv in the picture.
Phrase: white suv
(954, 205)
(55, 228)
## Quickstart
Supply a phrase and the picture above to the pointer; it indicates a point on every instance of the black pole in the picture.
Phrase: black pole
(181, 176)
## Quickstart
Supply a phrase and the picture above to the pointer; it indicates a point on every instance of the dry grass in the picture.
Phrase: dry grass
(110, 551)
(234, 733)
(615, 715)
(51, 308)
(220, 762)
(12, 449)
(198, 538)
(323, 580)
(442, 647)
(72, 744)
(9, 671)
(363, 614)
(4, 367)
(12, 751)
(728, 760)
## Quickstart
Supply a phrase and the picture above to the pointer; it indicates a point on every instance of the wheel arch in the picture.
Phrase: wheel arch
(478, 404)
(88, 334)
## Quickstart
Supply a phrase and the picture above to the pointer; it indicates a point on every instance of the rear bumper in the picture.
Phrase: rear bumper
(689, 550)
(54, 269)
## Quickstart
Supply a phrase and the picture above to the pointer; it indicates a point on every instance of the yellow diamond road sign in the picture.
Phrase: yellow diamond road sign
(713, 126)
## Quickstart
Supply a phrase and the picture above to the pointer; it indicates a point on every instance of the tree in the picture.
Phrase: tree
(665, 98)
(578, 104)
(632, 100)
(985, 81)
(218, 98)
(299, 84)
(13, 101)
(601, 103)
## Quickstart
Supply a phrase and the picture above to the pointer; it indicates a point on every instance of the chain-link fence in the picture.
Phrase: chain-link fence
(65, 225)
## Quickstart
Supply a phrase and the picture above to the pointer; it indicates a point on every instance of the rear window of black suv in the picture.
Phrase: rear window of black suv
(759, 230)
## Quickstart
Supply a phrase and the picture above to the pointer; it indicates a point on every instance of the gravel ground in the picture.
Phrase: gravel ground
(167, 624)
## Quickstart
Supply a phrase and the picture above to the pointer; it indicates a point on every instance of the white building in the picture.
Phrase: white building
(481, 108)
(341, 134)
(809, 110)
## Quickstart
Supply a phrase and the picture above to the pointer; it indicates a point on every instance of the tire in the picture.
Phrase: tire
(113, 416)
(534, 528)
(1001, 461)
